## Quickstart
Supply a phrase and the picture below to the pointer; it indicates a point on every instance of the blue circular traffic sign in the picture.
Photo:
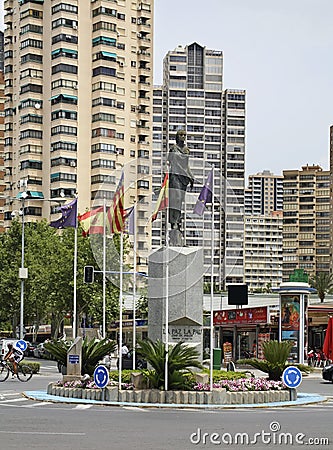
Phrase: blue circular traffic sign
(101, 376)
(292, 377)
(21, 345)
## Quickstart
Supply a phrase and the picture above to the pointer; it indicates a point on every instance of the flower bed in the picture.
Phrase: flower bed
(226, 392)
(243, 385)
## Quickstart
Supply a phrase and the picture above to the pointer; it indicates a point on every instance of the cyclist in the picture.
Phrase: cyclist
(14, 355)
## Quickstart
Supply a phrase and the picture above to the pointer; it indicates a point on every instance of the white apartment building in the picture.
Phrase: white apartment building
(264, 193)
(193, 98)
(263, 251)
(306, 220)
(78, 89)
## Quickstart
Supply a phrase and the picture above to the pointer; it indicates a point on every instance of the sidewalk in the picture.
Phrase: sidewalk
(302, 399)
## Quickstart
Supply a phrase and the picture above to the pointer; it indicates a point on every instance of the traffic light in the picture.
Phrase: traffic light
(88, 274)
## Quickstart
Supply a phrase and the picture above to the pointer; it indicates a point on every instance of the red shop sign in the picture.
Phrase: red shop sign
(241, 316)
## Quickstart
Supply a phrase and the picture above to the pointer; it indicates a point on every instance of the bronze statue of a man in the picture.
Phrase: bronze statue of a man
(180, 176)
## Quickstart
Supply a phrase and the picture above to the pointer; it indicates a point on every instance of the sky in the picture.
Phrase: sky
(281, 53)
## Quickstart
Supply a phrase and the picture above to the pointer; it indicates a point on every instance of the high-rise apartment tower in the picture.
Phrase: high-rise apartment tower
(193, 98)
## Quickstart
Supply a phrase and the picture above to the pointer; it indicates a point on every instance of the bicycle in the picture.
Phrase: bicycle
(24, 372)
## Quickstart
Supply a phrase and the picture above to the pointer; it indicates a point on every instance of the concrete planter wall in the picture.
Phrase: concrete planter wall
(216, 397)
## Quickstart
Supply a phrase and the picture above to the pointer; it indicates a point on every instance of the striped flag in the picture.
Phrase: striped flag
(116, 213)
(92, 221)
(163, 198)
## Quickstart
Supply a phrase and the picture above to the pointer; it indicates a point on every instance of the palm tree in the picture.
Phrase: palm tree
(180, 359)
(323, 282)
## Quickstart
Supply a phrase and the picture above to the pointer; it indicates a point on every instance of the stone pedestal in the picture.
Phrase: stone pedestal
(74, 361)
(185, 299)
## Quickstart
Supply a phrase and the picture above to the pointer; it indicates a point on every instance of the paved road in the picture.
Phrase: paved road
(41, 425)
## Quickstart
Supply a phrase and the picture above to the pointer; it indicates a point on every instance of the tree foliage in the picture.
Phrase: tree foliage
(49, 288)
(323, 283)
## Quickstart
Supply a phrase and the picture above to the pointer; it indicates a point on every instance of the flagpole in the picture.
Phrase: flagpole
(120, 308)
(134, 286)
(74, 279)
(166, 381)
(104, 268)
(212, 287)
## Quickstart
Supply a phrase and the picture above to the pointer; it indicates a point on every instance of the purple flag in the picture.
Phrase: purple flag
(205, 195)
(68, 217)
(130, 220)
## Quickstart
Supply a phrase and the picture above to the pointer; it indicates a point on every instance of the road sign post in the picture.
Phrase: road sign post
(101, 378)
(292, 378)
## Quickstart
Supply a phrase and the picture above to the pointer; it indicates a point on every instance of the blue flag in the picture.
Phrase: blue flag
(68, 217)
(205, 195)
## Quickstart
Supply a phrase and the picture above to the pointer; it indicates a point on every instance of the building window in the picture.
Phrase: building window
(64, 7)
(104, 163)
(63, 114)
(103, 148)
(38, 165)
(63, 162)
(104, 117)
(63, 98)
(143, 184)
(64, 52)
(34, 118)
(31, 57)
(107, 179)
(104, 26)
(64, 38)
(63, 145)
(63, 177)
(106, 132)
(31, 43)
(104, 11)
(63, 129)
(32, 88)
(34, 134)
(64, 68)
(107, 71)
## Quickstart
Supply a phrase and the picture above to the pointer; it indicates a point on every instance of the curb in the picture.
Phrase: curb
(302, 399)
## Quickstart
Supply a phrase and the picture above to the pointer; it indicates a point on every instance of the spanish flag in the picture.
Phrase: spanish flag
(92, 221)
(163, 198)
(116, 213)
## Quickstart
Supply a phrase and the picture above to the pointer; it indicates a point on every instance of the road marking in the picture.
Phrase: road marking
(83, 406)
(134, 408)
(21, 399)
(39, 404)
(42, 433)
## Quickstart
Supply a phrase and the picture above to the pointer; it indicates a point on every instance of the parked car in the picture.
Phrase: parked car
(39, 351)
(30, 348)
(127, 361)
(328, 373)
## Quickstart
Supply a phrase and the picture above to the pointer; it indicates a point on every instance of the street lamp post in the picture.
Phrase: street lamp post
(23, 272)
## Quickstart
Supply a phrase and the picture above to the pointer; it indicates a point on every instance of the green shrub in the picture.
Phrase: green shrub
(125, 375)
(276, 355)
(35, 366)
(219, 375)
(181, 358)
(92, 352)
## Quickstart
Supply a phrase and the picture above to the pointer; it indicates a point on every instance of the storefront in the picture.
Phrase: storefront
(243, 330)
(317, 324)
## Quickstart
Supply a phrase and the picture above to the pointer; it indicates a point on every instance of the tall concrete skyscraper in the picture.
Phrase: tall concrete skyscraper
(193, 98)
(78, 87)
